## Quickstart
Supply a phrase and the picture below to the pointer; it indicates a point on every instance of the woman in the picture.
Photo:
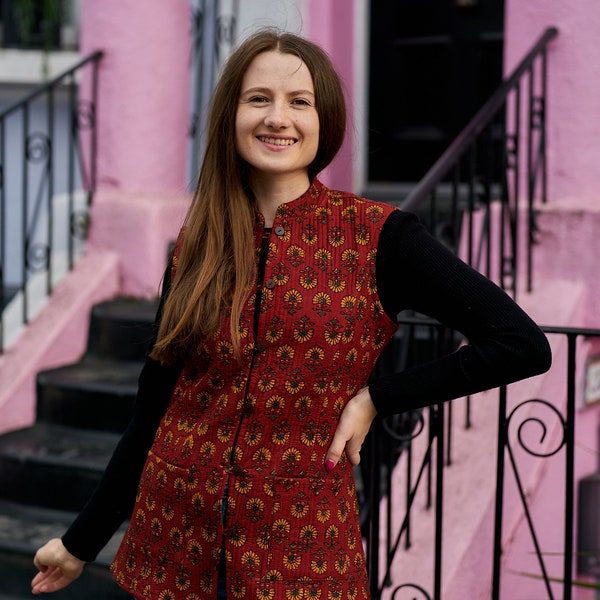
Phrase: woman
(253, 404)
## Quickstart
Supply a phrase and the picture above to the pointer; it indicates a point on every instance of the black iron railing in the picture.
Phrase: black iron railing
(524, 434)
(480, 199)
(47, 180)
(494, 173)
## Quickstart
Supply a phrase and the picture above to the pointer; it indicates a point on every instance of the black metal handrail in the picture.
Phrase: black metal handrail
(425, 474)
(472, 199)
(490, 160)
(47, 181)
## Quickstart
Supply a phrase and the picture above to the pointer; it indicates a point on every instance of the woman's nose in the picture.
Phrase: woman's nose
(276, 116)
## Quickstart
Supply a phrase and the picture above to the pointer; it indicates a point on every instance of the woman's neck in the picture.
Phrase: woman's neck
(270, 192)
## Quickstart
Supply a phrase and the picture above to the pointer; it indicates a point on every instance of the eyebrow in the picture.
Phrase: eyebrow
(264, 90)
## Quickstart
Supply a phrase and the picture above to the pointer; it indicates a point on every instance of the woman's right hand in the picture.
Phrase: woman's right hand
(57, 567)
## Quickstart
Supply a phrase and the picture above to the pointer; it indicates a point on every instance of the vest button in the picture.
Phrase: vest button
(259, 347)
(230, 532)
(279, 230)
(270, 283)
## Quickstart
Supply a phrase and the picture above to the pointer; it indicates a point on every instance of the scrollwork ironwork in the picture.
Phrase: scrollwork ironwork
(37, 147)
(407, 426)
(80, 224)
(411, 586)
(37, 256)
(84, 117)
(536, 420)
(226, 26)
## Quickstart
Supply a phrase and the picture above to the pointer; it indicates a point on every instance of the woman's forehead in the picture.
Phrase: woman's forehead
(275, 69)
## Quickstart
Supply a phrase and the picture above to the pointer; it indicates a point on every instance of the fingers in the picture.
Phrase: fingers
(51, 580)
(353, 426)
(345, 439)
(338, 443)
(57, 567)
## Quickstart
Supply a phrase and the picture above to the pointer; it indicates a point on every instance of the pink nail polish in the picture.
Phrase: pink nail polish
(329, 464)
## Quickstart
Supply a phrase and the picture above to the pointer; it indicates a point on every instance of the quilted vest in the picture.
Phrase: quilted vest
(258, 432)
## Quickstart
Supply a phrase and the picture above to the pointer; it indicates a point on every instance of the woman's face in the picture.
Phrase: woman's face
(277, 125)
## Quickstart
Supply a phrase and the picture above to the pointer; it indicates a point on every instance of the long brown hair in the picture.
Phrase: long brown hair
(216, 264)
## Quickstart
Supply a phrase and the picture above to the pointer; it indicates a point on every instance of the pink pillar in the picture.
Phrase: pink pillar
(143, 106)
(331, 25)
(142, 124)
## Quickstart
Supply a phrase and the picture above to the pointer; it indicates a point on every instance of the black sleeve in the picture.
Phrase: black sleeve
(113, 499)
(415, 271)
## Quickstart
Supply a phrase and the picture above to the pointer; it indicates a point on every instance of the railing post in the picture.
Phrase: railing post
(50, 191)
(3, 290)
(501, 442)
(569, 464)
(439, 500)
(25, 213)
(374, 523)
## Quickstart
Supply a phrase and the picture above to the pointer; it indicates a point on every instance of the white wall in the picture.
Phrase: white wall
(285, 14)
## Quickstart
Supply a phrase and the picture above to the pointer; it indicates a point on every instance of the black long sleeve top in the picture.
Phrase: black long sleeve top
(413, 272)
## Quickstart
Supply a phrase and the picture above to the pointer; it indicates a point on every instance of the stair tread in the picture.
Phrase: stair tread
(24, 529)
(47, 443)
(95, 375)
(128, 308)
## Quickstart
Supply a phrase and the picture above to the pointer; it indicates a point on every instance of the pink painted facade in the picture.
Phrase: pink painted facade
(143, 117)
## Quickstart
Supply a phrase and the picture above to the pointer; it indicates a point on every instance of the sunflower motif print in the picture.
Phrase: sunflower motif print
(236, 471)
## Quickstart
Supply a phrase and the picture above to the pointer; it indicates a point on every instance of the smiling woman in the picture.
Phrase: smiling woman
(277, 128)
(236, 469)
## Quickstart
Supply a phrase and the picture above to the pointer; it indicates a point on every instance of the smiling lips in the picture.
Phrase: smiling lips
(277, 141)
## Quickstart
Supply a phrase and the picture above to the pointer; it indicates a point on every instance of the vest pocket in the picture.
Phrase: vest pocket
(174, 524)
(315, 534)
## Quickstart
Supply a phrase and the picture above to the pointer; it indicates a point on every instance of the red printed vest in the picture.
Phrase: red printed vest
(260, 430)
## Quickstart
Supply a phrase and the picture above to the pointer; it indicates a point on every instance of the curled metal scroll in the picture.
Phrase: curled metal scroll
(85, 115)
(411, 424)
(226, 27)
(37, 147)
(411, 586)
(80, 224)
(38, 256)
(537, 421)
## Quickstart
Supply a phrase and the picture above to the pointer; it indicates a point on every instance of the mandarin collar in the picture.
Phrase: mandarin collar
(313, 195)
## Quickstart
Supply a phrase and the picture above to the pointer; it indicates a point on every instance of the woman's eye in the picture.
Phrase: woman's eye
(301, 102)
(258, 99)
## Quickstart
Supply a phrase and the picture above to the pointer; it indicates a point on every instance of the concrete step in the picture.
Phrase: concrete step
(23, 529)
(53, 466)
(121, 328)
(92, 394)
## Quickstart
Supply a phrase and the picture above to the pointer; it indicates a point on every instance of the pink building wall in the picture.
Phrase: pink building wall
(143, 119)
(143, 109)
(573, 130)
(573, 85)
(331, 25)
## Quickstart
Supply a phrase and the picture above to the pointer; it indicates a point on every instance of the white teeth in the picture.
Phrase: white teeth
(277, 141)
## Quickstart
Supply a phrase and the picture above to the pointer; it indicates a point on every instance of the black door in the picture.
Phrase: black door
(433, 63)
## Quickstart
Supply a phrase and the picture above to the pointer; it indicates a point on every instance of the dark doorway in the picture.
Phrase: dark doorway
(433, 63)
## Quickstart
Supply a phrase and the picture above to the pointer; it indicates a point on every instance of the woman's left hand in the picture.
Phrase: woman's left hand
(353, 426)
